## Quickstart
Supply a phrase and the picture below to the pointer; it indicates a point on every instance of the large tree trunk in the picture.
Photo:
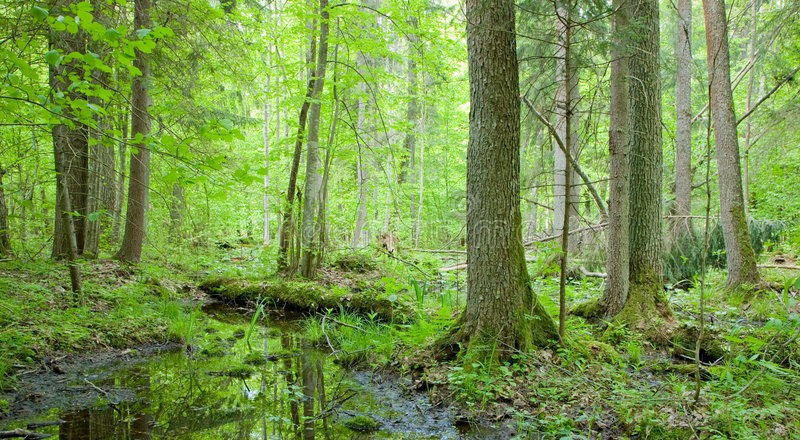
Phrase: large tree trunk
(645, 301)
(502, 313)
(683, 121)
(618, 246)
(312, 194)
(738, 249)
(139, 178)
(265, 235)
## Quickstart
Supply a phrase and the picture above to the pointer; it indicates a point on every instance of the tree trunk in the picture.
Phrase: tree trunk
(176, 210)
(363, 177)
(502, 313)
(683, 121)
(568, 91)
(64, 209)
(751, 84)
(72, 142)
(5, 242)
(738, 248)
(618, 245)
(286, 262)
(139, 181)
(265, 236)
(119, 199)
(312, 195)
(645, 302)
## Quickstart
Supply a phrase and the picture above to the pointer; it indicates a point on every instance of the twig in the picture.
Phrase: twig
(344, 324)
(574, 231)
(440, 251)
(407, 262)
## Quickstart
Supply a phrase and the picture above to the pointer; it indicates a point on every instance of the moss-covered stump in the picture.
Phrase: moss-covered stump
(306, 296)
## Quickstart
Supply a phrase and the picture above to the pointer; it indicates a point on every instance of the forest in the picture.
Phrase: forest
(412, 219)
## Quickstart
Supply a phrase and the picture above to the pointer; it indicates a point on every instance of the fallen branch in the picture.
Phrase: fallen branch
(406, 262)
(777, 266)
(574, 231)
(460, 266)
(586, 273)
(22, 433)
(440, 251)
(34, 426)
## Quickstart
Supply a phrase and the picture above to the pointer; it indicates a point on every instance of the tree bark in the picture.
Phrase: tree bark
(139, 177)
(119, 199)
(618, 245)
(645, 302)
(683, 121)
(312, 195)
(739, 252)
(73, 142)
(502, 313)
(751, 83)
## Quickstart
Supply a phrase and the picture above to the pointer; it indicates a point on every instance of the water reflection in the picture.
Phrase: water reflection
(274, 387)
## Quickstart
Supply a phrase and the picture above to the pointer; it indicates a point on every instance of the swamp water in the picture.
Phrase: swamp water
(232, 383)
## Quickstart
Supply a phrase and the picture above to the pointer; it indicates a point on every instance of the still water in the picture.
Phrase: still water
(237, 382)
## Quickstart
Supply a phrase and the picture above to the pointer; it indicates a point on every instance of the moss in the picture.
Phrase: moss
(305, 296)
(591, 310)
(238, 371)
(255, 358)
(362, 423)
(358, 262)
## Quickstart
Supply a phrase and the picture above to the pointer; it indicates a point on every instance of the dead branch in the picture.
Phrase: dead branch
(24, 434)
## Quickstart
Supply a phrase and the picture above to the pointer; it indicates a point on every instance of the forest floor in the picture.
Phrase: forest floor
(604, 382)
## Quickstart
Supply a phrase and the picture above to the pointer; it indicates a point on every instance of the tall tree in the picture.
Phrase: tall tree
(645, 301)
(72, 139)
(312, 196)
(617, 249)
(502, 313)
(139, 176)
(739, 252)
(683, 120)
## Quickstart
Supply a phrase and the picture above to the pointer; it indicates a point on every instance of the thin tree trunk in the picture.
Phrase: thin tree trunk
(567, 91)
(176, 212)
(363, 177)
(312, 195)
(751, 83)
(322, 223)
(139, 182)
(565, 25)
(5, 242)
(739, 252)
(265, 236)
(420, 182)
(64, 209)
(683, 122)
(287, 236)
(119, 200)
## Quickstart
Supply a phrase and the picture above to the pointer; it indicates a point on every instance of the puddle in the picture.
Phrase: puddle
(228, 386)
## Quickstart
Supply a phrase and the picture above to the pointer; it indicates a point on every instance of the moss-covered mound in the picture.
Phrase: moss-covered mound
(306, 296)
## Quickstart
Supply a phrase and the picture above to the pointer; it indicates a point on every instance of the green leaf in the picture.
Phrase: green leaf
(38, 13)
(53, 57)
(141, 33)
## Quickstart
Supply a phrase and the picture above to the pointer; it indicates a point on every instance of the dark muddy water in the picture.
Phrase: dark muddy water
(226, 385)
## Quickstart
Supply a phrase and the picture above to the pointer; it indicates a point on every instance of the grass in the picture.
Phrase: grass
(120, 308)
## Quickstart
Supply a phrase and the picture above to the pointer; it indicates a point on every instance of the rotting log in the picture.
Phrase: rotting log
(306, 296)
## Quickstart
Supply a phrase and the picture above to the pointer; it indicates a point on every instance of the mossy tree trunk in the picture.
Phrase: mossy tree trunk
(502, 313)
(645, 302)
(739, 252)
